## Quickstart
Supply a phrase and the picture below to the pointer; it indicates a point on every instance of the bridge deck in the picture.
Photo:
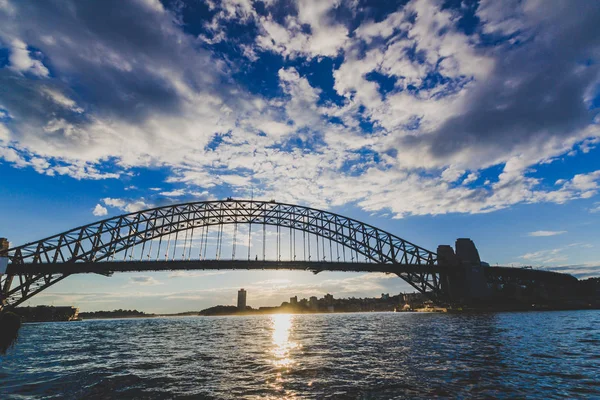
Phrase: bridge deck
(171, 265)
(109, 267)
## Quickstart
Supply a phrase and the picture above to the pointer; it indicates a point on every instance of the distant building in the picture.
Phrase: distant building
(294, 300)
(385, 296)
(241, 299)
(313, 302)
(328, 299)
(414, 298)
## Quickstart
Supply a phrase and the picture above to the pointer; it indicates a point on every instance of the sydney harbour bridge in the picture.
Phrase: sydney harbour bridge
(266, 235)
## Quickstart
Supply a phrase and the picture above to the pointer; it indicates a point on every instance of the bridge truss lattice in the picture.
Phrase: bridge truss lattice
(156, 235)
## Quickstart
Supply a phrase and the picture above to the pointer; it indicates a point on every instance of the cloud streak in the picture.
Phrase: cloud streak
(546, 233)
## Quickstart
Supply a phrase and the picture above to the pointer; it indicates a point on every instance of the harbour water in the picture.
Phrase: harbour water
(347, 356)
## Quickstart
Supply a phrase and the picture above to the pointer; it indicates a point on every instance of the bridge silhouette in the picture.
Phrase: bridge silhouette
(245, 234)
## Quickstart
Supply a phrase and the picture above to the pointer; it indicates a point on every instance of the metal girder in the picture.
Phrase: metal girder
(191, 265)
(102, 241)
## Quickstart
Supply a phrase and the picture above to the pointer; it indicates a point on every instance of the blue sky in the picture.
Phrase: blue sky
(433, 120)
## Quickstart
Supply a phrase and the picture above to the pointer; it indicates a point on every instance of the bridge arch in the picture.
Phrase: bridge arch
(40, 264)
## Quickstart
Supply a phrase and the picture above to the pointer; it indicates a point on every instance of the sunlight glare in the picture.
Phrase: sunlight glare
(282, 346)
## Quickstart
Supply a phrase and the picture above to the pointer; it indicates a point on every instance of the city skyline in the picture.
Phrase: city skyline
(326, 303)
(431, 120)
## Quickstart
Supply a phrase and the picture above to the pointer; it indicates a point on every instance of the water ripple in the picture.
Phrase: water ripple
(338, 356)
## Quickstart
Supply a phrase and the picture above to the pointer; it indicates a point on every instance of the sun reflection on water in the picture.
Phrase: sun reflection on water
(282, 345)
(282, 325)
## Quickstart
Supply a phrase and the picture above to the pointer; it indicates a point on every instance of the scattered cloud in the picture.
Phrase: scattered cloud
(553, 256)
(144, 280)
(60, 99)
(472, 177)
(545, 256)
(580, 271)
(195, 274)
(129, 206)
(546, 233)
(22, 62)
(99, 210)
(174, 193)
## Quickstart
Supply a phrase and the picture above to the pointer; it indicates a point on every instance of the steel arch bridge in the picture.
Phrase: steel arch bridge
(152, 240)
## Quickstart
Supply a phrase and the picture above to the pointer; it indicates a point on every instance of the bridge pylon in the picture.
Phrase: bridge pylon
(463, 279)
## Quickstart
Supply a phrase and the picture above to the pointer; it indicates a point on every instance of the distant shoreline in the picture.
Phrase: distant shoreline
(299, 312)
(261, 312)
(241, 314)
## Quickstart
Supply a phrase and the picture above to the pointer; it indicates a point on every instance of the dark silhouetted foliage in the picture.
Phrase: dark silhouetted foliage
(9, 330)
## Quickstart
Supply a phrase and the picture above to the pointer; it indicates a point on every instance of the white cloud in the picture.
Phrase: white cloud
(174, 193)
(21, 61)
(99, 210)
(554, 257)
(504, 18)
(165, 107)
(472, 177)
(451, 174)
(367, 31)
(118, 203)
(60, 99)
(326, 38)
(4, 133)
(546, 233)
(128, 206)
(6, 7)
(545, 256)
(136, 206)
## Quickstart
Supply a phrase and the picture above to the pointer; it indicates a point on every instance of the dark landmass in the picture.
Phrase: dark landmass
(220, 310)
(115, 314)
(518, 296)
(10, 323)
(511, 297)
(47, 313)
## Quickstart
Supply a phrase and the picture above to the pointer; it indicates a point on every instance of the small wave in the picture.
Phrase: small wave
(360, 356)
